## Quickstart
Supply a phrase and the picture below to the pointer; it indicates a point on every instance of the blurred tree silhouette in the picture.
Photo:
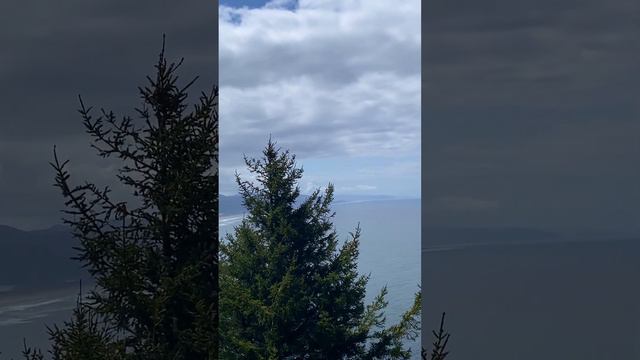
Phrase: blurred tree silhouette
(441, 339)
(155, 263)
(85, 336)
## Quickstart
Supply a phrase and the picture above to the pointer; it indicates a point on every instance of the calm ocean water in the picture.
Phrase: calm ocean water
(24, 314)
(558, 301)
(389, 251)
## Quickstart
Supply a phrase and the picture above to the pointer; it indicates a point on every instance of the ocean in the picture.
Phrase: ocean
(389, 251)
(505, 299)
(507, 295)
(558, 300)
(24, 315)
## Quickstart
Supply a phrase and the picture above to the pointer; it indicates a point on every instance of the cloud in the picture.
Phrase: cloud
(376, 114)
(50, 53)
(532, 105)
(324, 78)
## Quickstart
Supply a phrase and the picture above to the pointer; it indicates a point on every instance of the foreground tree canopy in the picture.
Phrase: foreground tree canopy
(155, 262)
(290, 288)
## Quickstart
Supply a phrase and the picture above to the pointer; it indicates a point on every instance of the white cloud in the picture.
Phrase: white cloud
(323, 77)
(357, 188)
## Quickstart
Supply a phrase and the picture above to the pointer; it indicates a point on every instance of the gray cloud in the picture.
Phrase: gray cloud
(103, 50)
(326, 79)
(533, 106)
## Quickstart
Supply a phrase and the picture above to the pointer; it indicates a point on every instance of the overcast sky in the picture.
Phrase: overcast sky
(336, 82)
(531, 113)
(52, 51)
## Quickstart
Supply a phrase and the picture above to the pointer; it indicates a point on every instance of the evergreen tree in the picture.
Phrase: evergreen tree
(290, 289)
(441, 339)
(85, 337)
(153, 259)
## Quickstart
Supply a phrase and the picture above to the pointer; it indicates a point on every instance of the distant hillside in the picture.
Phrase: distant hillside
(37, 258)
(232, 204)
(350, 198)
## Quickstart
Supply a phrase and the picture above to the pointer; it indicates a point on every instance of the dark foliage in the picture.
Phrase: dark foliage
(86, 336)
(291, 290)
(441, 339)
(155, 263)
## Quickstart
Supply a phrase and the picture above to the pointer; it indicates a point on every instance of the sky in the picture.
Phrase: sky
(51, 52)
(531, 114)
(335, 82)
